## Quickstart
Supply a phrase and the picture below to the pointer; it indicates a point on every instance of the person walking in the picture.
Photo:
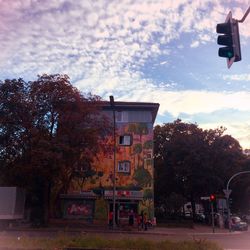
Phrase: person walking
(142, 220)
(110, 219)
(145, 222)
(131, 218)
(139, 221)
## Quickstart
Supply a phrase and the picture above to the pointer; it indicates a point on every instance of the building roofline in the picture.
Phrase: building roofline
(119, 106)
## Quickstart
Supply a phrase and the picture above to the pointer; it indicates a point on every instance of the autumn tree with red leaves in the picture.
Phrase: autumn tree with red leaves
(49, 133)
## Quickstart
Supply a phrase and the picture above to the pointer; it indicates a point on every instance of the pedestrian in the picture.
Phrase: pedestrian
(110, 219)
(145, 222)
(142, 220)
(139, 221)
(131, 218)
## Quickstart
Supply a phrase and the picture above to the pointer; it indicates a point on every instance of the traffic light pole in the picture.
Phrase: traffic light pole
(229, 37)
(244, 17)
(212, 211)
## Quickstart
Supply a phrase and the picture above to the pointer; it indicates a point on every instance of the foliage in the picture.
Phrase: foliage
(101, 209)
(193, 162)
(142, 177)
(49, 134)
(148, 144)
(173, 204)
(137, 149)
(148, 194)
(138, 129)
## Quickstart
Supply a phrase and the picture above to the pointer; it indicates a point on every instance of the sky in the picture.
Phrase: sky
(162, 51)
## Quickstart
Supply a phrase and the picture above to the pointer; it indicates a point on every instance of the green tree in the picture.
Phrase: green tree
(193, 162)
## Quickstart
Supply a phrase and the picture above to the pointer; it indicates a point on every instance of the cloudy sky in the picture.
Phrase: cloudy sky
(161, 51)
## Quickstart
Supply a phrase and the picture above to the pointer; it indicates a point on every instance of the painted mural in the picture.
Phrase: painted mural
(136, 165)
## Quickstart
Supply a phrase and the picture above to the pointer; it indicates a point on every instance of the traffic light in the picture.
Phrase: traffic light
(230, 202)
(230, 38)
(212, 197)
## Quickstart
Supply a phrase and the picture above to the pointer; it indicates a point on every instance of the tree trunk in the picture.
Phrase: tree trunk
(46, 203)
(193, 207)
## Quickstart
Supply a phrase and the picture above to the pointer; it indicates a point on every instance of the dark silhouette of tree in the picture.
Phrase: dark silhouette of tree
(193, 162)
(49, 135)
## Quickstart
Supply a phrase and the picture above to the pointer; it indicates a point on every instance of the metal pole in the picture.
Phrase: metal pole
(245, 15)
(229, 215)
(228, 194)
(212, 211)
(112, 103)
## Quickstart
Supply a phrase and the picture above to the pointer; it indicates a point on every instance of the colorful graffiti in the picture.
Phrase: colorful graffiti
(138, 157)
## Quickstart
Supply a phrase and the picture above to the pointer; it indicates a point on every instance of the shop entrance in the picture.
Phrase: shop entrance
(123, 209)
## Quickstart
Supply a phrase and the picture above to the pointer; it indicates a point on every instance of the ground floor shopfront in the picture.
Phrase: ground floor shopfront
(91, 207)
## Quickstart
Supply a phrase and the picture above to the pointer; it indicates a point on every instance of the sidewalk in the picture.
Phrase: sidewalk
(83, 227)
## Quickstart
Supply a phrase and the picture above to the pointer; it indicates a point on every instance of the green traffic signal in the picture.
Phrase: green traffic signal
(226, 52)
(230, 39)
(225, 39)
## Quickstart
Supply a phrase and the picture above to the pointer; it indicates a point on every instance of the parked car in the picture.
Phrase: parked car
(246, 218)
(200, 217)
(238, 225)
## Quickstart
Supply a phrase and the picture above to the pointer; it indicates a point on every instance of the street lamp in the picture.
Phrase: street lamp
(227, 193)
(112, 103)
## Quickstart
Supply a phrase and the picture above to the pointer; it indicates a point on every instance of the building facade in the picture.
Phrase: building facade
(130, 161)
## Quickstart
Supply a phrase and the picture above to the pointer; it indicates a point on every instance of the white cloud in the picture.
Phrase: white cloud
(194, 44)
(238, 77)
(164, 62)
(240, 131)
(193, 102)
(107, 34)
(102, 45)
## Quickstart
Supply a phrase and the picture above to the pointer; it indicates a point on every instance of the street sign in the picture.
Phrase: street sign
(227, 192)
(205, 198)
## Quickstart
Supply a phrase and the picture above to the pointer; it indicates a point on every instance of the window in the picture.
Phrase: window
(122, 116)
(125, 140)
(124, 167)
(140, 116)
(133, 116)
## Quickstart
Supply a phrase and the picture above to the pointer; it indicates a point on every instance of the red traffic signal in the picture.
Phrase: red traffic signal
(212, 197)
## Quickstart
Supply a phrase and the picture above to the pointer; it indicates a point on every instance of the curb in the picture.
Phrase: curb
(108, 231)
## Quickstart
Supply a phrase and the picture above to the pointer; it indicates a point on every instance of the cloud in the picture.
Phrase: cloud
(192, 102)
(164, 62)
(103, 46)
(194, 44)
(237, 77)
(227, 109)
(240, 131)
(86, 37)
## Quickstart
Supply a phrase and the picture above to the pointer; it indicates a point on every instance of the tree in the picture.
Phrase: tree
(50, 134)
(193, 162)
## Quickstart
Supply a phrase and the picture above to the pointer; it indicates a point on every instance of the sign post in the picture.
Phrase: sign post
(212, 211)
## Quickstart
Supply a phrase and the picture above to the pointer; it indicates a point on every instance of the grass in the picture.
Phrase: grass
(63, 241)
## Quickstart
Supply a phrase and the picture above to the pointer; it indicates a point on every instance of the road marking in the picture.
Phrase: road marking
(224, 233)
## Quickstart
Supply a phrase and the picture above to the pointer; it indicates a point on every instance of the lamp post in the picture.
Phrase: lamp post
(227, 192)
(112, 103)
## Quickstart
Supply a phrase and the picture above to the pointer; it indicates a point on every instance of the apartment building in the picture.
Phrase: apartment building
(131, 163)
